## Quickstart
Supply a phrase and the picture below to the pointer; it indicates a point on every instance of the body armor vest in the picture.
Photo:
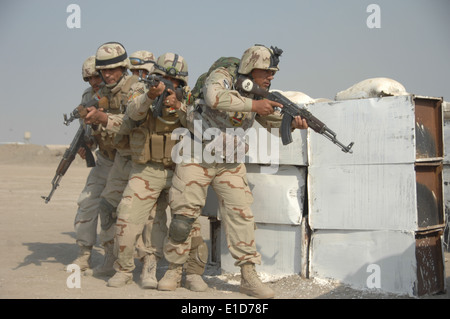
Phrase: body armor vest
(109, 142)
(151, 141)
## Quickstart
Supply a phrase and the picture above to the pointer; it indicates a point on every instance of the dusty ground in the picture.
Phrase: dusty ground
(37, 242)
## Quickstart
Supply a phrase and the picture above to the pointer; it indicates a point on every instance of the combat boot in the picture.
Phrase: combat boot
(195, 265)
(83, 259)
(172, 278)
(251, 284)
(120, 279)
(148, 275)
(195, 282)
(106, 269)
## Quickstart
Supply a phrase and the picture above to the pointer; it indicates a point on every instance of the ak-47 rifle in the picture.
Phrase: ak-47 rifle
(289, 111)
(68, 157)
(81, 110)
(153, 80)
(81, 139)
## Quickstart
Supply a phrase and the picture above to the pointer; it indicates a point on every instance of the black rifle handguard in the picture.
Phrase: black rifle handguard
(153, 80)
(289, 111)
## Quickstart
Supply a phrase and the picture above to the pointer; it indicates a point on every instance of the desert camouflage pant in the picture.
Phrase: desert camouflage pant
(148, 183)
(112, 193)
(86, 218)
(187, 197)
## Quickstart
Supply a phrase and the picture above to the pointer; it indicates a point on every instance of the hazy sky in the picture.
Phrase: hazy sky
(327, 46)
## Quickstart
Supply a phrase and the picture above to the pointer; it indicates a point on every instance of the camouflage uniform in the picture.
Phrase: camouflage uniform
(86, 219)
(112, 140)
(151, 176)
(142, 64)
(222, 108)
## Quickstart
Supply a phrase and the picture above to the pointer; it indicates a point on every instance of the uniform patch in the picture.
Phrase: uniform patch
(135, 94)
(189, 99)
(237, 118)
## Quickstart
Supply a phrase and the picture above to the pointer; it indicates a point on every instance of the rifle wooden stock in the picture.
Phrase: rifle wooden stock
(81, 110)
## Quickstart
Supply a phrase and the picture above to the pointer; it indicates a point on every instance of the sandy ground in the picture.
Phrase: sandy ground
(37, 242)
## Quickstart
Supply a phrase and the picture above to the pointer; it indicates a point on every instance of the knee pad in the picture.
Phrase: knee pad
(180, 228)
(107, 214)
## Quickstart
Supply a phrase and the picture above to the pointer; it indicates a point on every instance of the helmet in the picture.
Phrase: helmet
(111, 55)
(88, 68)
(142, 60)
(260, 57)
(173, 65)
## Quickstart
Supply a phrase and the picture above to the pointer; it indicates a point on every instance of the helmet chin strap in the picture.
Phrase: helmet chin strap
(113, 85)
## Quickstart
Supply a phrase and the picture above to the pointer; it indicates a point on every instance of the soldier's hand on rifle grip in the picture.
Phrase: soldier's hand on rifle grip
(82, 153)
(155, 91)
(264, 107)
(299, 123)
(171, 100)
(96, 116)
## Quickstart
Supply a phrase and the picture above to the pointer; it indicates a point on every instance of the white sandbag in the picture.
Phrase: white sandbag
(322, 99)
(296, 97)
(371, 88)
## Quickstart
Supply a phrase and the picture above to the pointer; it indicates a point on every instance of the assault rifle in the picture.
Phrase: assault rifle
(81, 110)
(68, 157)
(153, 80)
(289, 111)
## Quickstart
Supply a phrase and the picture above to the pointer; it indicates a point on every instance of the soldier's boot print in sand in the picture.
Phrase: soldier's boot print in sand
(148, 275)
(251, 284)
(172, 278)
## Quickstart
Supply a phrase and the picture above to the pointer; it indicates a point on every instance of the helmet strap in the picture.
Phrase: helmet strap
(110, 86)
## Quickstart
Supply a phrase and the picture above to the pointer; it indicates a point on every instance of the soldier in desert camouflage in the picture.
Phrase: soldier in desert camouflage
(223, 107)
(86, 219)
(91, 75)
(112, 62)
(141, 63)
(151, 175)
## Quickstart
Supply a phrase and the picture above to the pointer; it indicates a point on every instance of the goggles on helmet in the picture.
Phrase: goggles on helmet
(137, 61)
(171, 70)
